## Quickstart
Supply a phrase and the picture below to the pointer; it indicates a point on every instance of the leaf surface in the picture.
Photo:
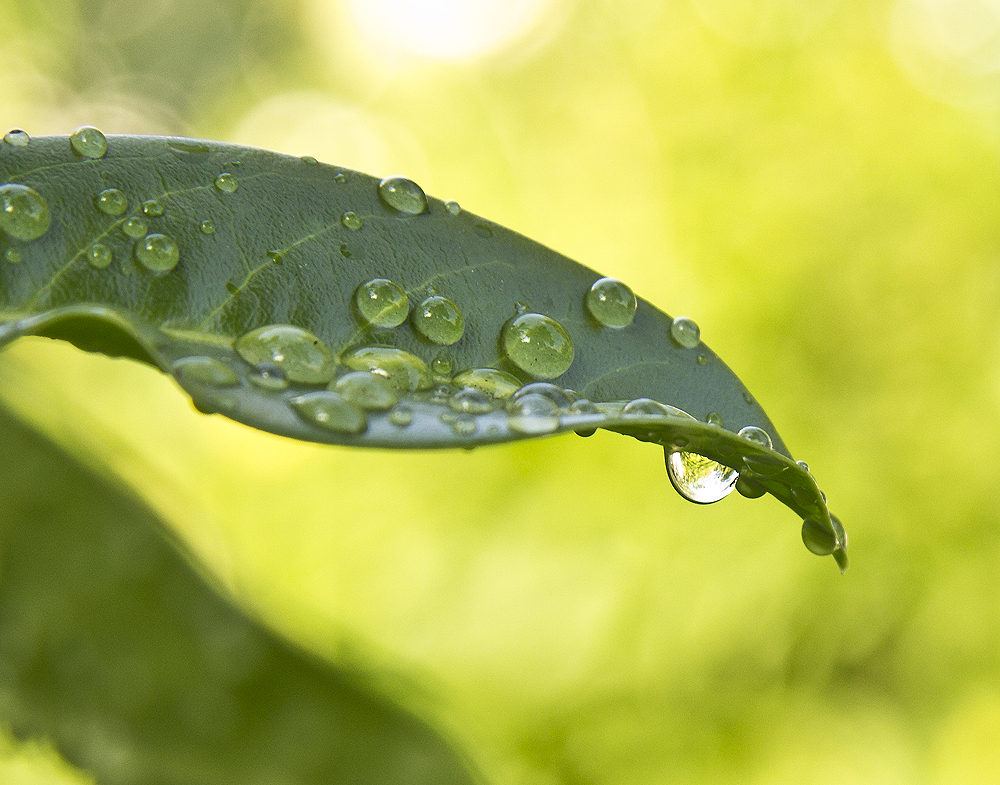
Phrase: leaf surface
(323, 304)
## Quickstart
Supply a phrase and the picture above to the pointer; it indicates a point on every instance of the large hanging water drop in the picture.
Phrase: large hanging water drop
(382, 303)
(297, 353)
(24, 215)
(700, 479)
(402, 195)
(611, 303)
(538, 345)
(88, 142)
(438, 320)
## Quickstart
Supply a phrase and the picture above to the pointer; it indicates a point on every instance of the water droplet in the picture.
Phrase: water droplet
(838, 528)
(700, 479)
(402, 195)
(401, 416)
(111, 201)
(714, 418)
(205, 370)
(557, 395)
(329, 411)
(192, 148)
(819, 539)
(345, 251)
(153, 208)
(802, 465)
(453, 207)
(463, 425)
(308, 159)
(496, 384)
(765, 465)
(13, 256)
(647, 407)
(135, 227)
(340, 177)
(226, 182)
(685, 332)
(382, 303)
(15, 137)
(442, 365)
(99, 256)
(471, 401)
(537, 345)
(438, 320)
(268, 376)
(611, 302)
(88, 142)
(158, 253)
(532, 414)
(582, 406)
(300, 355)
(750, 488)
(366, 390)
(24, 215)
(404, 370)
(756, 435)
(207, 226)
(702, 359)
(276, 256)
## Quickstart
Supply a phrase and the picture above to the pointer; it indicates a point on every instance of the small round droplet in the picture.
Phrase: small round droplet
(401, 416)
(402, 195)
(308, 159)
(700, 479)
(496, 384)
(158, 253)
(276, 256)
(153, 208)
(340, 177)
(351, 220)
(685, 332)
(226, 182)
(24, 215)
(557, 395)
(538, 345)
(611, 303)
(532, 414)
(366, 390)
(442, 365)
(268, 376)
(135, 227)
(382, 303)
(13, 256)
(453, 207)
(207, 226)
(298, 354)
(470, 401)
(111, 201)
(438, 320)
(88, 142)
(99, 256)
(714, 418)
(205, 370)
(404, 370)
(818, 538)
(15, 137)
(756, 435)
(463, 425)
(329, 411)
(702, 359)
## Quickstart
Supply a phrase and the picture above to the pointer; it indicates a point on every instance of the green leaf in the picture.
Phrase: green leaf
(116, 650)
(323, 304)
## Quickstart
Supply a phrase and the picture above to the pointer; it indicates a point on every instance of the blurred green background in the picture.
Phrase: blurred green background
(817, 182)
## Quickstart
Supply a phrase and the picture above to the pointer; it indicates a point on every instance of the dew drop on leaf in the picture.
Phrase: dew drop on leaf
(453, 207)
(297, 353)
(207, 226)
(99, 256)
(24, 215)
(756, 435)
(533, 413)
(330, 411)
(135, 227)
(111, 201)
(818, 538)
(401, 416)
(611, 302)
(538, 345)
(405, 371)
(496, 384)
(205, 370)
(226, 182)
(700, 479)
(153, 208)
(158, 253)
(470, 401)
(268, 376)
(88, 142)
(366, 390)
(13, 256)
(351, 220)
(382, 303)
(438, 320)
(685, 332)
(402, 195)
(15, 137)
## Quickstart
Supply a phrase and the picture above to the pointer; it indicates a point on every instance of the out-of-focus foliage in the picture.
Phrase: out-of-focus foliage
(816, 185)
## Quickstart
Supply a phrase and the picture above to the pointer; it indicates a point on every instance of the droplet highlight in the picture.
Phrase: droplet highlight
(611, 303)
(88, 142)
(685, 332)
(538, 345)
(438, 320)
(297, 353)
(24, 214)
(402, 195)
(158, 253)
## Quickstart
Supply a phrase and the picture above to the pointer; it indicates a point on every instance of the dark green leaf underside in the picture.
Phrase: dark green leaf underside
(254, 240)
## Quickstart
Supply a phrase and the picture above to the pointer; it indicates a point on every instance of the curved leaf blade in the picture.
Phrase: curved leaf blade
(242, 273)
